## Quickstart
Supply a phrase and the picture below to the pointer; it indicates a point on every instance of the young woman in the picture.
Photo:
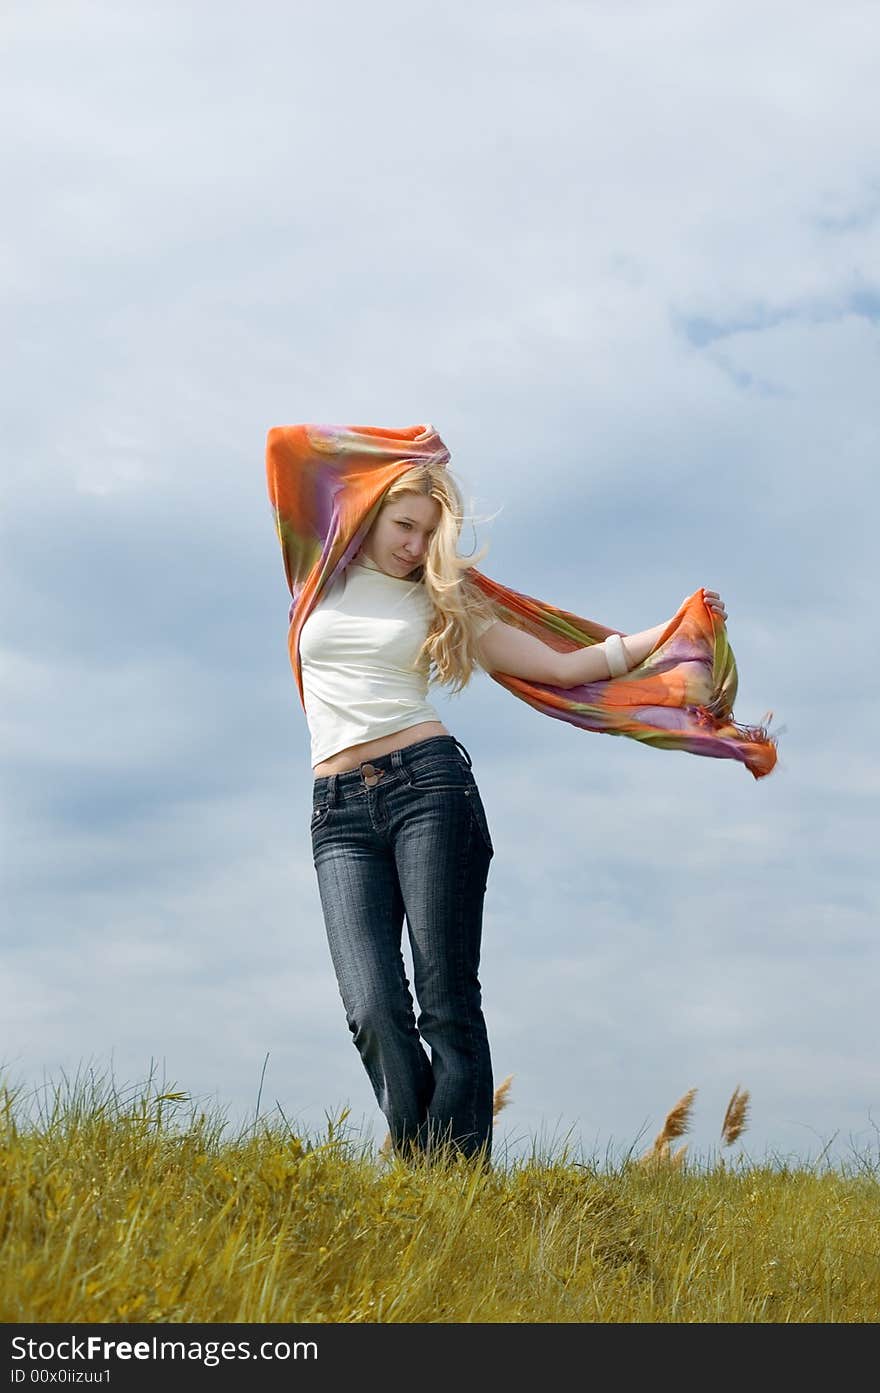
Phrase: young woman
(398, 826)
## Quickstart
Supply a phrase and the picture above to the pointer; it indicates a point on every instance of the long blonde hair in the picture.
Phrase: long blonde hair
(449, 650)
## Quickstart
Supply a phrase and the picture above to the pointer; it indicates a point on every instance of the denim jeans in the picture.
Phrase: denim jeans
(406, 833)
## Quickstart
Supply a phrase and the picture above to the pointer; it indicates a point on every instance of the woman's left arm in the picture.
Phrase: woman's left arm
(504, 648)
(591, 664)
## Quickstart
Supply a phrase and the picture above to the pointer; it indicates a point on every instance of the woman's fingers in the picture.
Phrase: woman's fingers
(713, 600)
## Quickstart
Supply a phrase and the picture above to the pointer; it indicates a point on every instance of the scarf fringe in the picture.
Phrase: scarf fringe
(759, 744)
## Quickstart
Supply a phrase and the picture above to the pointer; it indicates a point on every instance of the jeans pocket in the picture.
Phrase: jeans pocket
(319, 817)
(438, 775)
(478, 814)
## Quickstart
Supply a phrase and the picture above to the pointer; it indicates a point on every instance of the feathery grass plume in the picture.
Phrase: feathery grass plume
(677, 1122)
(499, 1100)
(678, 1119)
(656, 1155)
(737, 1116)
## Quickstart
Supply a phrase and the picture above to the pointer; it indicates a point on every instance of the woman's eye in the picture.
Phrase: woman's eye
(406, 524)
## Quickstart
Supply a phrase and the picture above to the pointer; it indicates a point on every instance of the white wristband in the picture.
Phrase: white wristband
(615, 654)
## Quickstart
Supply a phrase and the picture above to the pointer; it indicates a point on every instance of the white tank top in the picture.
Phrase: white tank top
(358, 651)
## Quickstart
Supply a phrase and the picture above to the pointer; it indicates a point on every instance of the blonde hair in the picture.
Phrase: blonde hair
(449, 650)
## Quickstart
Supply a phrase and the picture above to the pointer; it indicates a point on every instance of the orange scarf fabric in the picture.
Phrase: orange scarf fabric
(326, 484)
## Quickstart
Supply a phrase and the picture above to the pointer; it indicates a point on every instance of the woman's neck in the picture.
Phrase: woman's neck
(370, 565)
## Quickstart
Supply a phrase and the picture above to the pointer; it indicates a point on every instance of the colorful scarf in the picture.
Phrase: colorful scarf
(326, 485)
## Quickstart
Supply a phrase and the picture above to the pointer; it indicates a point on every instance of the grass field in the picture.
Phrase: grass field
(117, 1207)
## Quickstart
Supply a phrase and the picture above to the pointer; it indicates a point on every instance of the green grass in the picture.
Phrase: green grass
(114, 1208)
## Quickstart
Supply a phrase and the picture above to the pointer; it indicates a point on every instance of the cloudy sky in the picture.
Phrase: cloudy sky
(624, 257)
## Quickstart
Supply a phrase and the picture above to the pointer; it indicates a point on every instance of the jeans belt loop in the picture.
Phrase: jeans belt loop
(464, 752)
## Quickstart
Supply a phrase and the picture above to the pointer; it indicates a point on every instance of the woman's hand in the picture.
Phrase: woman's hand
(715, 603)
(713, 600)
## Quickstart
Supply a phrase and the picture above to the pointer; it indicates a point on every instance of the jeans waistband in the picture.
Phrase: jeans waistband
(395, 760)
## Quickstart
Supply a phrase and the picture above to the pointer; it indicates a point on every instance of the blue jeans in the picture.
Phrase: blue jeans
(406, 833)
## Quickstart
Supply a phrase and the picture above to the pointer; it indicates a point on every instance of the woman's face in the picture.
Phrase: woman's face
(398, 540)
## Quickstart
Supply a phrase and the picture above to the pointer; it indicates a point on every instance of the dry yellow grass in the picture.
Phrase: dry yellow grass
(111, 1211)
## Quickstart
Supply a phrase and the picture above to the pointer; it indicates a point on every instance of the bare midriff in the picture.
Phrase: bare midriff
(354, 755)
